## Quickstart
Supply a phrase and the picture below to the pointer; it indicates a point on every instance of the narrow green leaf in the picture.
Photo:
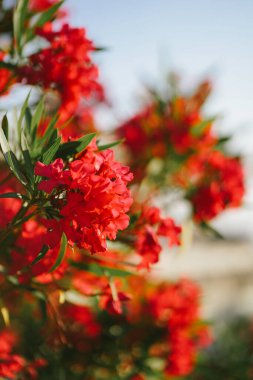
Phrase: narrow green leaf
(48, 14)
(51, 152)
(29, 169)
(11, 159)
(13, 195)
(101, 270)
(73, 147)
(50, 129)
(110, 145)
(14, 165)
(3, 142)
(28, 120)
(5, 126)
(42, 253)
(62, 251)
(36, 118)
(22, 112)
(19, 22)
(7, 65)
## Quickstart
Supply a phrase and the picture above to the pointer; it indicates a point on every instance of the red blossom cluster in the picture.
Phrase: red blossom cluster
(175, 132)
(12, 365)
(148, 229)
(65, 66)
(216, 183)
(177, 308)
(166, 126)
(91, 195)
(6, 77)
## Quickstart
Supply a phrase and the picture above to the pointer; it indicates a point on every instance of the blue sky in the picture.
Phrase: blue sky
(146, 38)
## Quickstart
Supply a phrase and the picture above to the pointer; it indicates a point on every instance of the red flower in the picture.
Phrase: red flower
(149, 227)
(6, 78)
(148, 247)
(219, 185)
(94, 197)
(169, 229)
(64, 66)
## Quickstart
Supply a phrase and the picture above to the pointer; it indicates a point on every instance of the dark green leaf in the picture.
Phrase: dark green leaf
(37, 116)
(7, 65)
(51, 152)
(73, 147)
(28, 119)
(5, 126)
(50, 130)
(13, 195)
(110, 145)
(23, 111)
(48, 14)
(101, 270)
(62, 251)
(19, 18)
(14, 165)
(42, 253)
(29, 170)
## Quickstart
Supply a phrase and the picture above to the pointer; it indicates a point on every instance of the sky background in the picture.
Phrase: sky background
(197, 38)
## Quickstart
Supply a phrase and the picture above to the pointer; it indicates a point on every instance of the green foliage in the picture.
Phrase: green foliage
(230, 357)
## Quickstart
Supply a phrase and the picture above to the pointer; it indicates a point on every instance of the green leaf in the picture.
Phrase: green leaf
(5, 126)
(208, 228)
(23, 111)
(14, 165)
(197, 129)
(51, 152)
(7, 65)
(50, 130)
(101, 270)
(19, 18)
(29, 169)
(62, 251)
(36, 118)
(13, 195)
(28, 120)
(48, 14)
(73, 147)
(11, 159)
(110, 145)
(42, 253)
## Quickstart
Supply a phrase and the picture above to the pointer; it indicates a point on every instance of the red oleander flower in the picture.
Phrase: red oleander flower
(219, 185)
(65, 67)
(148, 247)
(176, 307)
(91, 195)
(112, 301)
(148, 229)
(6, 78)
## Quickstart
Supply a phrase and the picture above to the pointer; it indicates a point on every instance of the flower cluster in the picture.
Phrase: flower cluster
(149, 227)
(172, 143)
(176, 308)
(65, 67)
(217, 184)
(13, 365)
(91, 195)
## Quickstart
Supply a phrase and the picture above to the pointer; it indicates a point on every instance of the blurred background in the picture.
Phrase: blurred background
(198, 39)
